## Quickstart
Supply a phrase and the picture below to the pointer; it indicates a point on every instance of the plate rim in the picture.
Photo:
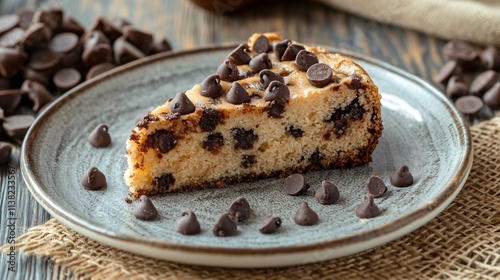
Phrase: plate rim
(426, 212)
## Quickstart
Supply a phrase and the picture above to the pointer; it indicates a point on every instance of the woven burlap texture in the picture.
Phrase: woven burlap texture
(463, 242)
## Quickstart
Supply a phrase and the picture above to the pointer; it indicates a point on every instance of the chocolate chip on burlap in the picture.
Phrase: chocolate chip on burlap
(94, 179)
(270, 225)
(5, 151)
(228, 71)
(145, 210)
(305, 216)
(8, 22)
(261, 44)
(37, 93)
(492, 96)
(210, 87)
(375, 186)
(240, 209)
(319, 75)
(36, 36)
(181, 104)
(327, 194)
(449, 69)
(237, 94)
(402, 177)
(456, 87)
(99, 69)
(295, 184)
(483, 82)
(66, 79)
(305, 59)
(367, 209)
(267, 76)
(188, 224)
(99, 137)
(240, 55)
(225, 225)
(260, 62)
(10, 99)
(469, 105)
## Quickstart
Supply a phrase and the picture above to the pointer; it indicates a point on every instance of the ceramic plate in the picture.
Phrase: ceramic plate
(422, 130)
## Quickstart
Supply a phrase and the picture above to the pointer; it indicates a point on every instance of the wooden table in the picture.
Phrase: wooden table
(187, 26)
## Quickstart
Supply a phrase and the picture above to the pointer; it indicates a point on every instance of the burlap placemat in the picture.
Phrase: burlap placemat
(463, 242)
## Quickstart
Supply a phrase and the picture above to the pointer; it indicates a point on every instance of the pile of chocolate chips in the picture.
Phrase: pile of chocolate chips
(471, 79)
(44, 53)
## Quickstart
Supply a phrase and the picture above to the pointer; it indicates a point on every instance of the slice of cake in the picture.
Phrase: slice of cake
(272, 108)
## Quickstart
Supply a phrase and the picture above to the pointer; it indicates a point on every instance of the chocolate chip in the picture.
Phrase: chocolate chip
(63, 42)
(319, 75)
(43, 60)
(69, 24)
(375, 186)
(492, 96)
(248, 161)
(295, 184)
(228, 71)
(449, 69)
(125, 52)
(243, 138)
(7, 22)
(51, 17)
(460, 51)
(99, 137)
(98, 69)
(261, 44)
(16, 126)
(12, 38)
(270, 225)
(240, 55)
(483, 82)
(305, 59)
(267, 76)
(37, 93)
(163, 140)
(210, 87)
(327, 194)
(305, 216)
(296, 132)
(210, 118)
(145, 210)
(66, 78)
(469, 105)
(276, 108)
(260, 62)
(240, 209)
(367, 209)
(490, 57)
(36, 35)
(163, 182)
(213, 142)
(277, 91)
(95, 38)
(10, 99)
(5, 151)
(98, 54)
(38, 76)
(188, 224)
(139, 38)
(25, 17)
(106, 27)
(456, 87)
(159, 46)
(291, 52)
(280, 48)
(402, 177)
(181, 104)
(11, 61)
(225, 226)
(237, 94)
(94, 179)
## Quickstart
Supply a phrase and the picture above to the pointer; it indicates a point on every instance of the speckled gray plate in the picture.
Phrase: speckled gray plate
(422, 130)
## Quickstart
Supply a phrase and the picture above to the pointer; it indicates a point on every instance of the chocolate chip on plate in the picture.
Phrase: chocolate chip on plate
(269, 225)
(67, 78)
(305, 216)
(260, 62)
(11, 61)
(267, 76)
(16, 126)
(181, 104)
(449, 69)
(277, 91)
(456, 87)
(492, 96)
(261, 45)
(10, 99)
(99, 137)
(98, 69)
(145, 210)
(188, 224)
(367, 209)
(319, 75)
(94, 179)
(375, 186)
(469, 105)
(295, 184)
(37, 93)
(240, 55)
(483, 82)
(280, 48)
(490, 57)
(5, 151)
(225, 225)
(240, 209)
(210, 87)
(328, 193)
(291, 52)
(228, 71)
(305, 59)
(402, 177)
(237, 94)
(37, 76)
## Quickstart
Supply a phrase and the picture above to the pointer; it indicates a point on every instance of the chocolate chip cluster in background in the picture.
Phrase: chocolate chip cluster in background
(471, 79)
(44, 53)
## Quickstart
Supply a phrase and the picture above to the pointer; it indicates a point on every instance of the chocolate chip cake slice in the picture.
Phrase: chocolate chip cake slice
(272, 108)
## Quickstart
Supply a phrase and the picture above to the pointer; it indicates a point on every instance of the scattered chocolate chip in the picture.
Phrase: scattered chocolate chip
(492, 96)
(225, 226)
(5, 151)
(37, 93)
(99, 137)
(163, 140)
(95, 38)
(240, 209)
(490, 57)
(210, 118)
(188, 224)
(260, 62)
(305, 216)
(277, 91)
(210, 87)
(402, 177)
(261, 44)
(213, 142)
(145, 210)
(12, 38)
(139, 38)
(237, 94)
(267, 76)
(449, 69)
(228, 71)
(125, 52)
(51, 17)
(36, 35)
(319, 75)
(270, 225)
(63, 42)
(280, 48)
(66, 78)
(291, 52)
(107, 27)
(456, 87)
(37, 76)
(460, 51)
(98, 54)
(16, 126)
(10, 99)
(296, 132)
(163, 182)
(469, 105)
(69, 24)
(98, 69)
(367, 209)
(94, 179)
(181, 104)
(375, 186)
(7, 22)
(295, 184)
(327, 194)
(483, 82)
(305, 59)
(248, 161)
(243, 138)
(159, 46)
(240, 55)
(11, 61)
